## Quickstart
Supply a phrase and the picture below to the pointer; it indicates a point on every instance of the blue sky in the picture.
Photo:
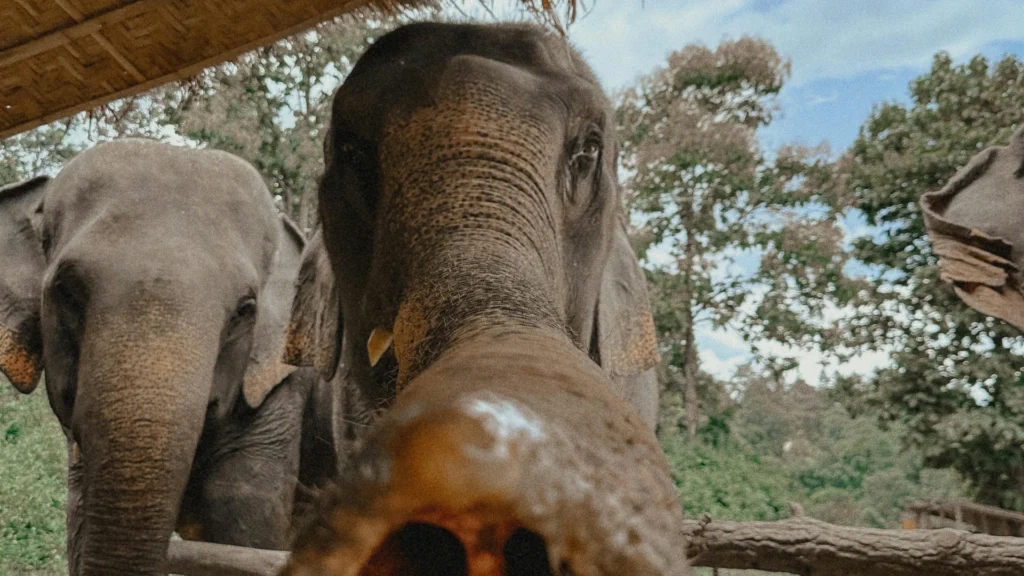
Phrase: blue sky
(846, 56)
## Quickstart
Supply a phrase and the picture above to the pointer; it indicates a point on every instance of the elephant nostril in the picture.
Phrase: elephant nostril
(418, 549)
(526, 554)
(461, 545)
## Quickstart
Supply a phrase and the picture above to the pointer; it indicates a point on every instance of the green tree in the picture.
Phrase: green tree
(774, 418)
(271, 106)
(955, 381)
(710, 197)
(39, 151)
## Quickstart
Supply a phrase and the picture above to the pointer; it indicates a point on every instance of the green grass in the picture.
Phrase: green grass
(33, 490)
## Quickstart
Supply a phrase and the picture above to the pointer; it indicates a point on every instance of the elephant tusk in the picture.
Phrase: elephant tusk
(379, 342)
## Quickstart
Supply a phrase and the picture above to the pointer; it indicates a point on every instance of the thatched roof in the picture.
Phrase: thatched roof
(59, 57)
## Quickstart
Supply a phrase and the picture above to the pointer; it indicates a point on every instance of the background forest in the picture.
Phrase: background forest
(731, 234)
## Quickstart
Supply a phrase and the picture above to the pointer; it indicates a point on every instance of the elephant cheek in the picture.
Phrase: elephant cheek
(20, 366)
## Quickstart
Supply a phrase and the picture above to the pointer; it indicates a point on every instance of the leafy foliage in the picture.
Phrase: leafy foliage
(776, 445)
(709, 196)
(43, 150)
(271, 107)
(956, 380)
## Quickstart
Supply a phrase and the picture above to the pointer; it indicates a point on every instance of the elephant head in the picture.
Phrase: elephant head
(976, 226)
(478, 283)
(153, 285)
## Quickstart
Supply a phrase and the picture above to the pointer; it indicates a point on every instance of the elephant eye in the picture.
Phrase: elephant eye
(47, 242)
(586, 157)
(246, 307)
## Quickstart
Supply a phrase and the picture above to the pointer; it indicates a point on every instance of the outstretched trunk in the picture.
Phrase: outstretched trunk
(509, 455)
(143, 388)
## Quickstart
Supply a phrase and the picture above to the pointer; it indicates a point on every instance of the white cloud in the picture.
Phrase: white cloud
(723, 350)
(723, 337)
(816, 99)
(720, 368)
(825, 38)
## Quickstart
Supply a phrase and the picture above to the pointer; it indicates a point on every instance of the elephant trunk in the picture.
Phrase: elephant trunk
(474, 232)
(143, 389)
(510, 455)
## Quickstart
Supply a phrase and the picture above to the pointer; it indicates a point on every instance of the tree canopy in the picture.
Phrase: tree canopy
(955, 380)
(708, 197)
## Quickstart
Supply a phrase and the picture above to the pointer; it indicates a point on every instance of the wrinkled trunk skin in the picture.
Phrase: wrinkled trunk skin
(471, 227)
(143, 386)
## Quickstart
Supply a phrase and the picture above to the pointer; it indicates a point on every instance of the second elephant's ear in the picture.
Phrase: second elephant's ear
(21, 270)
(314, 333)
(976, 227)
(625, 337)
(265, 368)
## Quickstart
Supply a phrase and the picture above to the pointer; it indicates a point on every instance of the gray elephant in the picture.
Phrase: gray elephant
(976, 226)
(153, 284)
(478, 289)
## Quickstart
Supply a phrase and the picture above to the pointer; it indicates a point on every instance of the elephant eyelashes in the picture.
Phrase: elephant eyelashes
(583, 161)
(246, 308)
(47, 241)
(244, 316)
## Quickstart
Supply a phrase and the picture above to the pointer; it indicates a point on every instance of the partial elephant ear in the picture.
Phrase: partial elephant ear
(266, 369)
(625, 338)
(976, 226)
(314, 334)
(21, 272)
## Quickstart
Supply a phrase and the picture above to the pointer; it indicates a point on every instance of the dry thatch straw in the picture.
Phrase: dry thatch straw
(60, 57)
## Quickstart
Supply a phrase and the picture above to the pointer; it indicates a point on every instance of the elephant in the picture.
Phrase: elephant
(472, 281)
(153, 284)
(976, 226)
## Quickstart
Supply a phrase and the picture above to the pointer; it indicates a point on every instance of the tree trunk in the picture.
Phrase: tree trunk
(795, 546)
(691, 360)
(305, 199)
(286, 198)
(690, 382)
(206, 559)
(811, 548)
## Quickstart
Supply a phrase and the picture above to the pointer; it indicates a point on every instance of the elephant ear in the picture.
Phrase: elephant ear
(974, 222)
(21, 271)
(625, 339)
(266, 369)
(314, 334)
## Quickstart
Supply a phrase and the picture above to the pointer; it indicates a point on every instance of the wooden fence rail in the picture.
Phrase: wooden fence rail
(798, 545)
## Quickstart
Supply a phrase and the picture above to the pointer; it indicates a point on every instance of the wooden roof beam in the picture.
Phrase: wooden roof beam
(83, 27)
